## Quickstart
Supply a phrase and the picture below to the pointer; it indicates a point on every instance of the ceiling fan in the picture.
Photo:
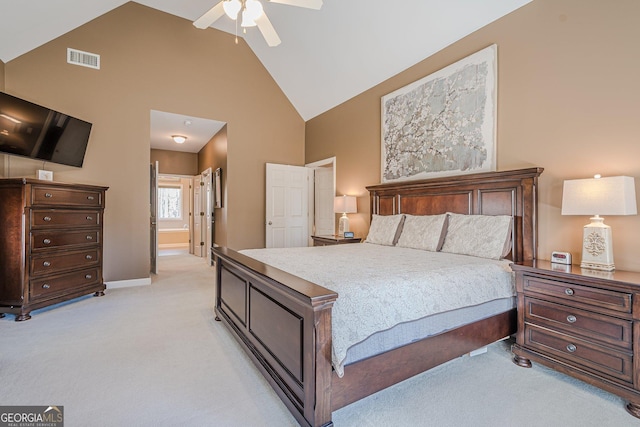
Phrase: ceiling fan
(252, 14)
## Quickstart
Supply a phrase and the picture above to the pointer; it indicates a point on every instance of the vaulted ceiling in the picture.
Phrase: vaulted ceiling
(326, 57)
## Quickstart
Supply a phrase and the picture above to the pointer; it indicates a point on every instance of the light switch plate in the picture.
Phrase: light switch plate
(45, 175)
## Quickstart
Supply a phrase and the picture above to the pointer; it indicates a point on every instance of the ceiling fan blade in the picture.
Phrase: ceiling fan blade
(210, 17)
(309, 4)
(267, 30)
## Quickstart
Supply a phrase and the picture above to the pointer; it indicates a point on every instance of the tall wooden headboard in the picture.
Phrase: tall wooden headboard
(511, 192)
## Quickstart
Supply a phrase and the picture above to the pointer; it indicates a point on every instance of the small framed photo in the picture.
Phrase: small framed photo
(348, 234)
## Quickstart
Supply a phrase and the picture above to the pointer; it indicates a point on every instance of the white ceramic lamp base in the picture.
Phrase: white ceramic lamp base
(597, 246)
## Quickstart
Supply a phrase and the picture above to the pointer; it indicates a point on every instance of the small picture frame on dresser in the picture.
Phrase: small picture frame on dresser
(348, 235)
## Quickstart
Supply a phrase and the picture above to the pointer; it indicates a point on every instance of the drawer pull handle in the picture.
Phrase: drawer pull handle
(88, 257)
(89, 218)
(47, 218)
(48, 195)
(89, 238)
(571, 318)
(571, 348)
(87, 276)
(90, 197)
(46, 286)
(46, 263)
(568, 291)
(46, 241)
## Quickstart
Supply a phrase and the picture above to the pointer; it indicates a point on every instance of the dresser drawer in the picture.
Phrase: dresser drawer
(591, 356)
(39, 288)
(591, 326)
(578, 295)
(48, 263)
(42, 240)
(46, 195)
(47, 218)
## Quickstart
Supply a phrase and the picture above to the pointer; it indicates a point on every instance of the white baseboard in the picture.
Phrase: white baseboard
(128, 283)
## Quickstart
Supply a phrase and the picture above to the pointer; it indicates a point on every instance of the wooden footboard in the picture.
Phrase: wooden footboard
(285, 330)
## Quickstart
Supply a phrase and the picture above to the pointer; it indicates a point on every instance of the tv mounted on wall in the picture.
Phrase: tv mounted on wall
(31, 130)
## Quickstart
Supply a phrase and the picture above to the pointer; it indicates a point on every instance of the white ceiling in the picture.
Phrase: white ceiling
(326, 56)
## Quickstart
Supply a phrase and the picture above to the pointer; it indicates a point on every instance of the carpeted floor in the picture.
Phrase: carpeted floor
(154, 356)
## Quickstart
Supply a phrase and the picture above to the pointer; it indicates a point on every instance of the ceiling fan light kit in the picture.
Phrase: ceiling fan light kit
(252, 15)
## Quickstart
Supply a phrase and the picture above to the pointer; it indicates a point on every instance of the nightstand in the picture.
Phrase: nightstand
(334, 240)
(584, 323)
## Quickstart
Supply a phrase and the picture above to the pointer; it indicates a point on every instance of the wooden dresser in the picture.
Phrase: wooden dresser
(584, 323)
(50, 243)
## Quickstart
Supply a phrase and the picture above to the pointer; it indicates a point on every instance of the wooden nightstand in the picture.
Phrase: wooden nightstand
(584, 323)
(333, 240)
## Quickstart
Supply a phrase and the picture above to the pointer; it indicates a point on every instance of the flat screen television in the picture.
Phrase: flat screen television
(31, 130)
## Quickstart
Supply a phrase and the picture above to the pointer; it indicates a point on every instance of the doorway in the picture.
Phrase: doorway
(174, 213)
(299, 203)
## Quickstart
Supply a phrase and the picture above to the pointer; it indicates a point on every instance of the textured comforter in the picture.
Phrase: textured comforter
(381, 286)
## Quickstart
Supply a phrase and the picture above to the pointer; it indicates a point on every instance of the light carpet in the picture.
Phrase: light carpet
(154, 356)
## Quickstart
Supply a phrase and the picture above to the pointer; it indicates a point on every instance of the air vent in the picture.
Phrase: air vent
(84, 59)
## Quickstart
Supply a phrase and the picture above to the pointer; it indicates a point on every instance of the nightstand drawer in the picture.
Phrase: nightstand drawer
(591, 326)
(592, 357)
(578, 295)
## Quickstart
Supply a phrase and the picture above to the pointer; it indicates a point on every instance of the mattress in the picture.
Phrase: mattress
(380, 287)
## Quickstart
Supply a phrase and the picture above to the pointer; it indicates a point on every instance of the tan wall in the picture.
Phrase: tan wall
(568, 101)
(175, 162)
(155, 61)
(214, 156)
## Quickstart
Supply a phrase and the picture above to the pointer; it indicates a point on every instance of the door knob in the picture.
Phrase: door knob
(270, 223)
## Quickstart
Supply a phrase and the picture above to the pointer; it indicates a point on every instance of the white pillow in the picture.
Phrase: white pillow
(385, 229)
(423, 232)
(486, 236)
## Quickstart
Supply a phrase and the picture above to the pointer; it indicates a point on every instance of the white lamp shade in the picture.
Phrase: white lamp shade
(614, 195)
(345, 204)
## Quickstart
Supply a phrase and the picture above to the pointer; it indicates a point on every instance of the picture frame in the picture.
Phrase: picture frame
(217, 182)
(443, 124)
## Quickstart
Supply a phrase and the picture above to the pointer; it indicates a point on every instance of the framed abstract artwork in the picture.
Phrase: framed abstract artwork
(443, 124)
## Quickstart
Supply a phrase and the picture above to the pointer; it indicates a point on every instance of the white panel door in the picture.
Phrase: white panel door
(287, 206)
(325, 218)
(207, 207)
(198, 213)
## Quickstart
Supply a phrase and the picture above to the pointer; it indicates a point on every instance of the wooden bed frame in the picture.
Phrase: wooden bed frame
(284, 322)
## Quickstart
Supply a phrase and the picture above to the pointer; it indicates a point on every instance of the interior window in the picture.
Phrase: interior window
(169, 202)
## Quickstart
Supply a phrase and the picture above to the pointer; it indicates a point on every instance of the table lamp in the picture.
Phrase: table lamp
(344, 205)
(599, 196)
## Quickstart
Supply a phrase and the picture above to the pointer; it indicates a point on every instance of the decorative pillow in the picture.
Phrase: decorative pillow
(423, 232)
(385, 229)
(486, 236)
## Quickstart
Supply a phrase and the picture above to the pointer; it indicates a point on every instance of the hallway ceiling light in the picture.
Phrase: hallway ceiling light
(179, 139)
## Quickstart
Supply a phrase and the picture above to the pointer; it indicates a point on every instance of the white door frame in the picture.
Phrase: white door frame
(153, 216)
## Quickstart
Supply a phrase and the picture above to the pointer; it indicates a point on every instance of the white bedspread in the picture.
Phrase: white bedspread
(381, 286)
